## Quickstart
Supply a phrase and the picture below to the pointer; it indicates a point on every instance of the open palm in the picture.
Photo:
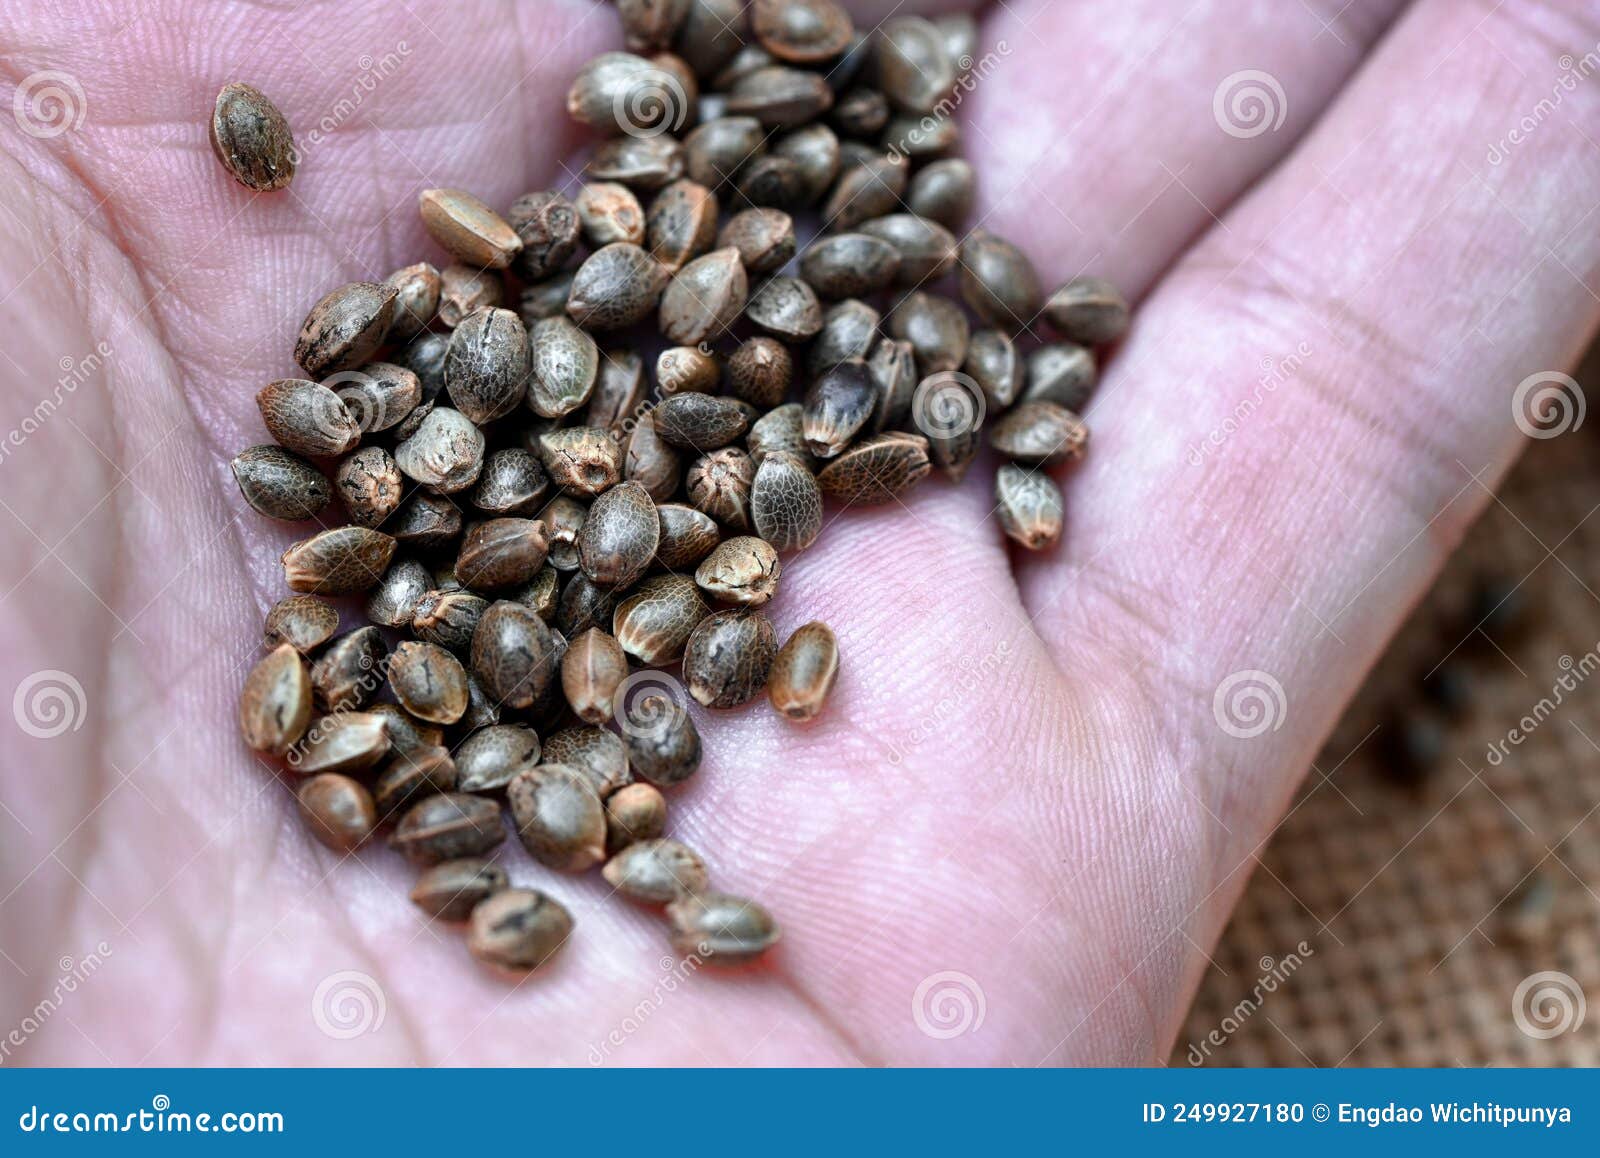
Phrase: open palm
(1041, 781)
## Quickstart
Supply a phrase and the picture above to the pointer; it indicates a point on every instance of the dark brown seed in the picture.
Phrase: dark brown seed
(275, 704)
(482, 711)
(378, 396)
(772, 182)
(473, 233)
(786, 307)
(719, 484)
(847, 265)
(486, 369)
(350, 742)
(760, 372)
(716, 151)
(914, 68)
(949, 408)
(280, 485)
(409, 736)
(598, 754)
(512, 483)
(251, 139)
(921, 135)
(1028, 504)
(655, 622)
(861, 113)
(864, 191)
(943, 191)
(547, 224)
(742, 570)
(781, 429)
(619, 395)
(429, 682)
(412, 422)
(424, 357)
(615, 287)
(449, 618)
(446, 452)
(307, 417)
(711, 33)
(513, 654)
(726, 658)
(427, 522)
(416, 302)
(559, 817)
(448, 826)
(876, 469)
(814, 151)
(345, 328)
(721, 928)
(747, 60)
(619, 536)
(652, 463)
(786, 502)
(449, 891)
(837, 406)
(590, 672)
(347, 676)
(803, 672)
(491, 757)
(338, 562)
(464, 289)
(635, 812)
(849, 330)
(618, 92)
(1063, 373)
(682, 223)
(687, 536)
(998, 281)
(518, 929)
(369, 485)
(402, 782)
(1040, 434)
(764, 238)
(651, 24)
(338, 811)
(583, 605)
(1088, 310)
(935, 327)
(396, 597)
(655, 872)
(780, 97)
(501, 553)
(565, 363)
(704, 299)
(699, 421)
(582, 460)
(541, 593)
(993, 363)
(563, 518)
(927, 249)
(801, 31)
(643, 163)
(663, 745)
(304, 622)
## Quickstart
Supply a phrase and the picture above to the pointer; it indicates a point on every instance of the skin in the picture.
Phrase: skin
(1020, 776)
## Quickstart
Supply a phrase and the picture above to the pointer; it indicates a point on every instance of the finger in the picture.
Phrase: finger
(1403, 273)
(1096, 130)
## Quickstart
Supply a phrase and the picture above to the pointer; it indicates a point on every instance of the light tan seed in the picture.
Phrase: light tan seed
(1029, 507)
(803, 672)
(743, 570)
(469, 229)
(338, 810)
(656, 872)
(590, 672)
(721, 928)
(350, 742)
(518, 929)
(275, 704)
(338, 562)
(635, 812)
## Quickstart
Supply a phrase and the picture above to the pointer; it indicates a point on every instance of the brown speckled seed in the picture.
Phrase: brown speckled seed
(803, 672)
(275, 704)
(345, 328)
(786, 502)
(338, 562)
(252, 139)
(559, 817)
(726, 658)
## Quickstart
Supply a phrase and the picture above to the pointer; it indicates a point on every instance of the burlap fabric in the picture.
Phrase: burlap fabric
(1432, 896)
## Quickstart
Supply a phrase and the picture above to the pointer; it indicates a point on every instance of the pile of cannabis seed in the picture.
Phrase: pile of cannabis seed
(538, 523)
